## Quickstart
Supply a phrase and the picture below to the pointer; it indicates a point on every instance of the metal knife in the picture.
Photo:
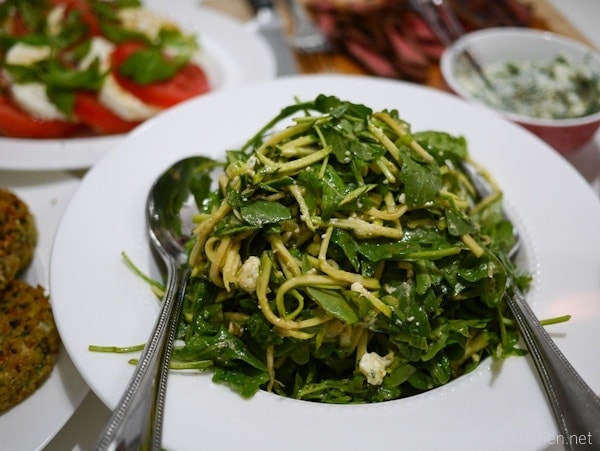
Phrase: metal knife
(268, 22)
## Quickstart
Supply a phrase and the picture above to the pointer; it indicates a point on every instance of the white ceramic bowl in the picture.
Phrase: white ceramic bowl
(497, 45)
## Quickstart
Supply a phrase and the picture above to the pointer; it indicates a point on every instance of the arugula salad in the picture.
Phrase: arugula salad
(345, 258)
(90, 67)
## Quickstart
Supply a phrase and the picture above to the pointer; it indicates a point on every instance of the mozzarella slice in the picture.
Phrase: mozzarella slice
(123, 103)
(22, 54)
(55, 18)
(144, 21)
(31, 97)
(100, 48)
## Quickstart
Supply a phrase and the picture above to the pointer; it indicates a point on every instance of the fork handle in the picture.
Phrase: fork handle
(260, 4)
(136, 423)
(575, 406)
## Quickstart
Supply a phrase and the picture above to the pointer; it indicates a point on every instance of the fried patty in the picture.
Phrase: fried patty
(29, 341)
(18, 236)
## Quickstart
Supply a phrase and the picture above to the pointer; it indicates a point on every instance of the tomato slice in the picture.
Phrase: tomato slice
(189, 82)
(18, 124)
(99, 118)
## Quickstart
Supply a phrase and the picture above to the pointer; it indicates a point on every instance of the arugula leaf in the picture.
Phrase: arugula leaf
(334, 303)
(221, 348)
(246, 383)
(421, 181)
(259, 213)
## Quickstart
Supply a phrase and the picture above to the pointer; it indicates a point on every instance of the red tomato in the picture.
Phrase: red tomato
(189, 82)
(87, 15)
(99, 118)
(18, 124)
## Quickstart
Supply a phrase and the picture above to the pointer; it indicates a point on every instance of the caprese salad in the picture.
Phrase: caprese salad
(80, 67)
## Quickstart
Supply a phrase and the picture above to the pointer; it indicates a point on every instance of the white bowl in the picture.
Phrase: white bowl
(498, 45)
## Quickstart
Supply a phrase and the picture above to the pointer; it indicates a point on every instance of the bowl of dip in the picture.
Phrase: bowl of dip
(545, 82)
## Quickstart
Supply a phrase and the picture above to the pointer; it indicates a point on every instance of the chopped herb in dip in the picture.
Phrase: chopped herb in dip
(555, 89)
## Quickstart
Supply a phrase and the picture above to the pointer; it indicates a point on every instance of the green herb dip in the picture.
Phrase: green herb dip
(555, 89)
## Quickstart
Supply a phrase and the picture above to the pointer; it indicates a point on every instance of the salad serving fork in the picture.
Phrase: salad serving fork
(311, 45)
(575, 406)
(306, 37)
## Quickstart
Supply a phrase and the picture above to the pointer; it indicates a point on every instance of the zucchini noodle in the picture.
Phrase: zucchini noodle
(344, 258)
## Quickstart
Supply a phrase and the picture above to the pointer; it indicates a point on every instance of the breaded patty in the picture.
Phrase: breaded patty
(29, 341)
(18, 236)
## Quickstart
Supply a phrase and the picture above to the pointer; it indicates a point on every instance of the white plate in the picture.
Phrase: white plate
(32, 423)
(233, 56)
(492, 408)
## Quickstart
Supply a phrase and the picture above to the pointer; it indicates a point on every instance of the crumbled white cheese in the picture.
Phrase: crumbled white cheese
(250, 165)
(248, 274)
(374, 366)
(359, 288)
(389, 289)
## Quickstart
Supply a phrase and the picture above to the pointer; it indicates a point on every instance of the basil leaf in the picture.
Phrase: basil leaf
(150, 66)
(62, 98)
(178, 43)
(57, 76)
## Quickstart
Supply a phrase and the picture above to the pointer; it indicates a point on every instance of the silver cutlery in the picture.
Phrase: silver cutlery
(136, 423)
(311, 45)
(575, 406)
(446, 26)
(269, 24)
(306, 36)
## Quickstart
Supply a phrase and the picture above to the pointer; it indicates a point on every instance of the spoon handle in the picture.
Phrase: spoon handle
(136, 423)
(575, 406)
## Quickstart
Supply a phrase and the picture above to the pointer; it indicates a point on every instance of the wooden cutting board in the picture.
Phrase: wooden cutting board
(553, 20)
(546, 17)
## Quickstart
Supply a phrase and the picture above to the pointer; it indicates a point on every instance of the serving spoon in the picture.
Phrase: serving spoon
(575, 406)
(136, 422)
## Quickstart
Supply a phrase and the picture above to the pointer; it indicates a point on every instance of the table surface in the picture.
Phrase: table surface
(576, 18)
